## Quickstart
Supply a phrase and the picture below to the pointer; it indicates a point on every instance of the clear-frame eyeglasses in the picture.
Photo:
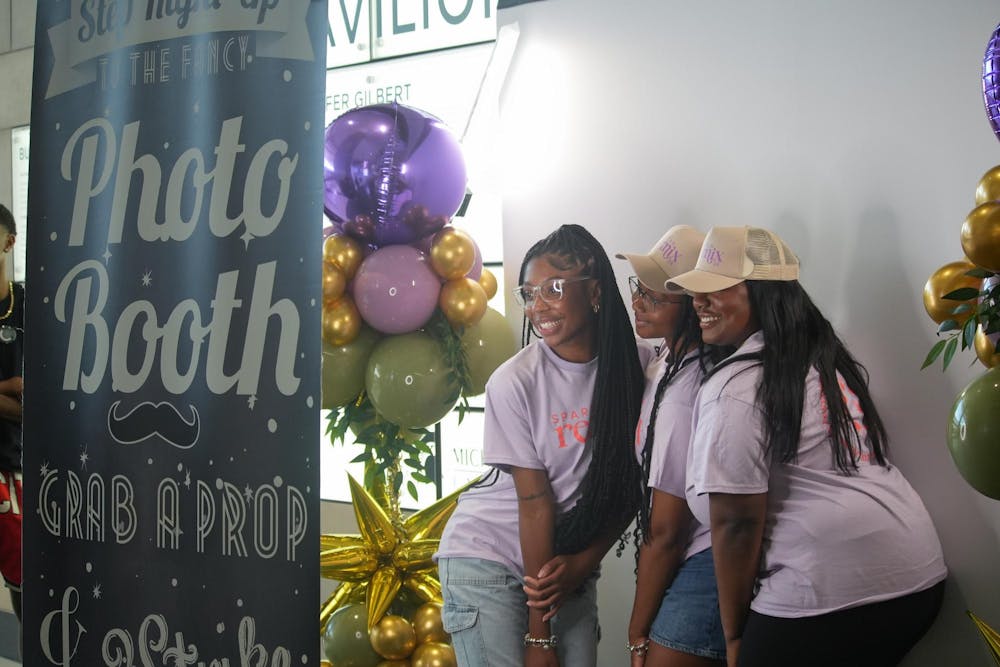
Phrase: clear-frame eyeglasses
(549, 291)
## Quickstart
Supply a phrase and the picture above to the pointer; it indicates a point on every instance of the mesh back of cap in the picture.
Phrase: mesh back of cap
(772, 259)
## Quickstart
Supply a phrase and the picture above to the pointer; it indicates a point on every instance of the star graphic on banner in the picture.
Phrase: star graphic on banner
(147, 278)
(84, 457)
(386, 555)
(97, 591)
(106, 255)
(44, 470)
(252, 401)
(187, 479)
(246, 238)
(248, 493)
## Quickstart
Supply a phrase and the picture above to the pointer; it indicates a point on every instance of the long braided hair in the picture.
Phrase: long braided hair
(685, 336)
(798, 337)
(610, 492)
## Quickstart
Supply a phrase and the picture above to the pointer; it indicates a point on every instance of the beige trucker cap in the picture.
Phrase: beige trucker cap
(675, 253)
(731, 255)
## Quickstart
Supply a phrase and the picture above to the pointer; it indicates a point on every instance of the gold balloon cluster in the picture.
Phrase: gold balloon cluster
(387, 556)
(342, 256)
(419, 642)
(960, 296)
(463, 300)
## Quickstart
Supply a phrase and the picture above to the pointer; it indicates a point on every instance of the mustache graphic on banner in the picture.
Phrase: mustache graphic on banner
(154, 419)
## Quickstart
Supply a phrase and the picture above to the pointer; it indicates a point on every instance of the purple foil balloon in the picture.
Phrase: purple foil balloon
(991, 81)
(988, 285)
(398, 167)
(396, 290)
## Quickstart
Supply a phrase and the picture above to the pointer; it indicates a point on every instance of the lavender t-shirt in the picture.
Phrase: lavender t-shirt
(672, 435)
(537, 414)
(831, 541)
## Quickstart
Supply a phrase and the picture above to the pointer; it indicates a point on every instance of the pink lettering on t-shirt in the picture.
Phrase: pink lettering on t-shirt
(570, 423)
(857, 418)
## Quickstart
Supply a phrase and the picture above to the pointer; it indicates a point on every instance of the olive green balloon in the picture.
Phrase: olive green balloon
(974, 433)
(343, 368)
(488, 343)
(409, 381)
(345, 642)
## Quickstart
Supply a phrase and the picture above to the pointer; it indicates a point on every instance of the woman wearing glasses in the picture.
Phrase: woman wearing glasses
(675, 614)
(560, 416)
(824, 554)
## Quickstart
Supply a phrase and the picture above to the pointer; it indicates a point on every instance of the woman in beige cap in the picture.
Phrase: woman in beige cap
(824, 554)
(675, 614)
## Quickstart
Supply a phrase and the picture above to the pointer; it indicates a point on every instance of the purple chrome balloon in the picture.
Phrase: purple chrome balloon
(395, 166)
(991, 81)
(396, 290)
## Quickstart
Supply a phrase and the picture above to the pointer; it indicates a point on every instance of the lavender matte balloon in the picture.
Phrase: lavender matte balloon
(397, 167)
(991, 81)
(395, 289)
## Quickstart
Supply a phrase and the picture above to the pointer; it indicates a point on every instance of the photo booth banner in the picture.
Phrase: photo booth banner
(173, 333)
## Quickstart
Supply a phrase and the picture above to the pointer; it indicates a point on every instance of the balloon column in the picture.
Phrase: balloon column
(963, 298)
(407, 336)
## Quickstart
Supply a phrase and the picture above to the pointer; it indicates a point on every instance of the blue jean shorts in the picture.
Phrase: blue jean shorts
(486, 613)
(689, 620)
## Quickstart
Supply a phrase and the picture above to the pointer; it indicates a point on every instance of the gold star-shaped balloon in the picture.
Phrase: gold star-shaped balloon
(991, 636)
(385, 557)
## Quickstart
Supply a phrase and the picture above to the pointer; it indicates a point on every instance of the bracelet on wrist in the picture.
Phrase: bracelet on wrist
(547, 643)
(639, 648)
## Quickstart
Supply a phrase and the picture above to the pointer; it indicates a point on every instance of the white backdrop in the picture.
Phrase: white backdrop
(853, 128)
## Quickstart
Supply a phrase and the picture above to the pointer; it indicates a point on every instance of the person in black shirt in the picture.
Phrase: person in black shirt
(11, 387)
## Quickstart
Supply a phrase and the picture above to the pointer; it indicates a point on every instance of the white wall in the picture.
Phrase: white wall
(855, 129)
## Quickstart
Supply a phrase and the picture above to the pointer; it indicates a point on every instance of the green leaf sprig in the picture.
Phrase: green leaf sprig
(960, 330)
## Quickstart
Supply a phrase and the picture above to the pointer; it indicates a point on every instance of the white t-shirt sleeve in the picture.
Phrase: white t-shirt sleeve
(507, 439)
(667, 467)
(727, 453)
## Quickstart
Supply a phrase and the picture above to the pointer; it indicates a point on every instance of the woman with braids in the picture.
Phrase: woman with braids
(560, 416)
(675, 615)
(824, 554)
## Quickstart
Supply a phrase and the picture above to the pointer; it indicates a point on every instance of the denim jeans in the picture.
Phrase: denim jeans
(485, 611)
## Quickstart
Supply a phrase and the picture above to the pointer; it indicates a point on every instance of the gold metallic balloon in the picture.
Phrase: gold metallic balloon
(415, 555)
(356, 562)
(452, 253)
(334, 282)
(325, 663)
(429, 522)
(985, 349)
(427, 624)
(381, 536)
(394, 663)
(947, 279)
(981, 236)
(382, 589)
(341, 321)
(989, 186)
(424, 584)
(393, 637)
(488, 282)
(376, 528)
(463, 302)
(434, 654)
(344, 252)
